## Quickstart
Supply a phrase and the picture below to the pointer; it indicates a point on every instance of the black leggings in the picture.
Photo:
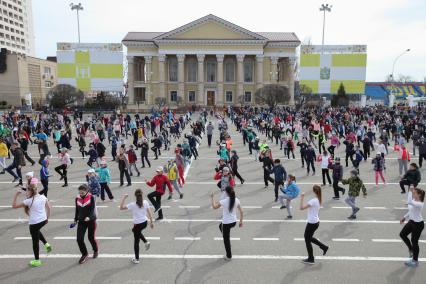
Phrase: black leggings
(225, 229)
(337, 188)
(63, 173)
(137, 233)
(325, 173)
(415, 229)
(267, 177)
(309, 239)
(155, 198)
(45, 183)
(237, 174)
(82, 227)
(37, 236)
(105, 187)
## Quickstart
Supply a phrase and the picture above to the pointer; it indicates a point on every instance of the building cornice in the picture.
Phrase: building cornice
(210, 42)
(292, 44)
(139, 44)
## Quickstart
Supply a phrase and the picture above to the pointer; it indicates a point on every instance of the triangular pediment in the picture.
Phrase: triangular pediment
(210, 27)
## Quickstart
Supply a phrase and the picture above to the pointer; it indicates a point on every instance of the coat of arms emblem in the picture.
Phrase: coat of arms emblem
(325, 73)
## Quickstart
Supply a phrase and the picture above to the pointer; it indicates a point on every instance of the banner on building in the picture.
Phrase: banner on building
(91, 66)
(323, 70)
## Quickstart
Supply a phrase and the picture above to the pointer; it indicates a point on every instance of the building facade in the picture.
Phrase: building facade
(27, 80)
(208, 62)
(16, 26)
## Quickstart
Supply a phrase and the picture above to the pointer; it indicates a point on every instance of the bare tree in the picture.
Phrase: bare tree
(272, 95)
(160, 102)
(240, 99)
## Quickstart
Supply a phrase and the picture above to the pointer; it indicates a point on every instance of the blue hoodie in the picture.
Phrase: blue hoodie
(44, 171)
(292, 190)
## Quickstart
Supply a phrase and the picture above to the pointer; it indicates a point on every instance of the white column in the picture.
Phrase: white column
(148, 89)
(130, 80)
(162, 75)
(274, 71)
(240, 75)
(290, 70)
(181, 75)
(259, 71)
(200, 76)
(220, 97)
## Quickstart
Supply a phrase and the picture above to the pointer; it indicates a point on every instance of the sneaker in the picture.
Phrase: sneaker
(62, 177)
(35, 263)
(159, 219)
(83, 259)
(308, 261)
(410, 253)
(324, 251)
(129, 184)
(226, 258)
(169, 198)
(403, 192)
(336, 198)
(147, 245)
(283, 207)
(411, 263)
(15, 179)
(135, 261)
(95, 254)
(48, 247)
(65, 185)
(242, 182)
(181, 196)
(356, 211)
(343, 191)
(289, 217)
(352, 217)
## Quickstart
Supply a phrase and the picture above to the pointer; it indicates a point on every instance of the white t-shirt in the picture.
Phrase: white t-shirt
(229, 217)
(37, 213)
(139, 214)
(313, 211)
(324, 161)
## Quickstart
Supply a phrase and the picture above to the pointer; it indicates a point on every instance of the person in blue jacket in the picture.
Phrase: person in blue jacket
(290, 191)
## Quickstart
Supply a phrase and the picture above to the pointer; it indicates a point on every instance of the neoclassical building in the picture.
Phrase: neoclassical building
(208, 62)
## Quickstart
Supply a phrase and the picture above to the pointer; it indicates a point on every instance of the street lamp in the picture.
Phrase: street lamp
(78, 7)
(324, 8)
(392, 96)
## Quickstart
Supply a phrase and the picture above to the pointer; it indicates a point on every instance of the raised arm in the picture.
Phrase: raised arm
(302, 205)
(15, 203)
(122, 206)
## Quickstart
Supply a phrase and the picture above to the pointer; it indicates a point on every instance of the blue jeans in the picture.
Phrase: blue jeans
(18, 174)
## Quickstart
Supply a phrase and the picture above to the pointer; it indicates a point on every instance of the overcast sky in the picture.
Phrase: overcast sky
(388, 27)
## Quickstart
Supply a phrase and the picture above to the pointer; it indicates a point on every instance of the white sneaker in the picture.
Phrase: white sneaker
(147, 245)
(135, 261)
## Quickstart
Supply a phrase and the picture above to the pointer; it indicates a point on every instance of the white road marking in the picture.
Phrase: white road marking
(345, 240)
(400, 208)
(251, 207)
(232, 239)
(375, 208)
(153, 238)
(340, 207)
(266, 239)
(299, 239)
(189, 206)
(386, 240)
(98, 238)
(212, 256)
(22, 238)
(187, 238)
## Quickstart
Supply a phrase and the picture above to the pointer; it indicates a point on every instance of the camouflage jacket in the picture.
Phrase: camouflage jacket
(355, 186)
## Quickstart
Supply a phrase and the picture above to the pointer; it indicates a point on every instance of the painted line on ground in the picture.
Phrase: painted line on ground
(189, 206)
(386, 240)
(345, 240)
(187, 238)
(375, 208)
(211, 256)
(266, 239)
(98, 238)
(221, 239)
(153, 238)
(251, 207)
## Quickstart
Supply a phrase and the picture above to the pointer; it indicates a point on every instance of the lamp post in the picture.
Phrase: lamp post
(392, 96)
(324, 8)
(78, 7)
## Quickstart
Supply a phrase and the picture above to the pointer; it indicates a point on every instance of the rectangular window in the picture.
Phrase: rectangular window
(140, 95)
(191, 96)
(47, 70)
(211, 71)
(247, 97)
(173, 96)
(173, 69)
(48, 84)
(228, 96)
(229, 71)
(192, 70)
(248, 70)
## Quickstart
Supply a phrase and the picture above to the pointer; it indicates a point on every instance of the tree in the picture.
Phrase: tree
(340, 99)
(178, 101)
(65, 95)
(160, 102)
(272, 95)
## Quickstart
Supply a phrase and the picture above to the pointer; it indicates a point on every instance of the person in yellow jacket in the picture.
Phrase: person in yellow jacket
(173, 175)
(3, 155)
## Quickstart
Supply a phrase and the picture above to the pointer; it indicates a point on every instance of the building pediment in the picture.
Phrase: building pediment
(210, 27)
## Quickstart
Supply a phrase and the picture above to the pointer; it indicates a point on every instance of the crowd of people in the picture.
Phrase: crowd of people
(367, 135)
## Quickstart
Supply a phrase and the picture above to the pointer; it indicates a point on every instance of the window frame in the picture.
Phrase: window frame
(172, 62)
(248, 62)
(245, 96)
(189, 97)
(226, 96)
(172, 98)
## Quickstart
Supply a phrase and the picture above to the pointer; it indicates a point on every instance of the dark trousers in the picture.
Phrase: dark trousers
(348, 156)
(250, 147)
(18, 174)
(310, 164)
(143, 162)
(122, 173)
(331, 150)
(37, 236)
(309, 239)
(325, 173)
(405, 182)
(156, 150)
(421, 157)
(105, 187)
(225, 229)
(81, 232)
(267, 177)
(45, 183)
(194, 152)
(137, 234)
(29, 159)
(237, 174)
(209, 139)
(415, 229)
(366, 153)
(63, 173)
(277, 186)
(337, 188)
(155, 198)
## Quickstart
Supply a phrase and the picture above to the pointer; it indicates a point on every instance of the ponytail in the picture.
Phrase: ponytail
(317, 191)
(421, 194)
(231, 193)
(32, 189)
(139, 197)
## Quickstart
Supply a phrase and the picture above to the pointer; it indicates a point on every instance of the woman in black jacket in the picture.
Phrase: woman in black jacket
(411, 177)
(267, 166)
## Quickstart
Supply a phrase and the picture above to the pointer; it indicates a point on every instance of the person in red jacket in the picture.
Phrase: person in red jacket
(160, 181)
(132, 160)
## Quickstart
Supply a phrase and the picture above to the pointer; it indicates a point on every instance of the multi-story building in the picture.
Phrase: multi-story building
(16, 26)
(27, 80)
(209, 62)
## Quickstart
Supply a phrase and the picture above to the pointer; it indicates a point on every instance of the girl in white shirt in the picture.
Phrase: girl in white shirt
(141, 213)
(414, 226)
(229, 217)
(313, 207)
(325, 161)
(37, 208)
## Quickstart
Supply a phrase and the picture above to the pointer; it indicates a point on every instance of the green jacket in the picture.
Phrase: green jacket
(355, 186)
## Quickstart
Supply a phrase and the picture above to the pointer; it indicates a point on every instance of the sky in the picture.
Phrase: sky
(387, 27)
